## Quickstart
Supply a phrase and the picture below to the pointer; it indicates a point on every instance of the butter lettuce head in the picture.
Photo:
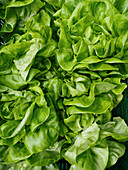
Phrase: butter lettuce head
(62, 66)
